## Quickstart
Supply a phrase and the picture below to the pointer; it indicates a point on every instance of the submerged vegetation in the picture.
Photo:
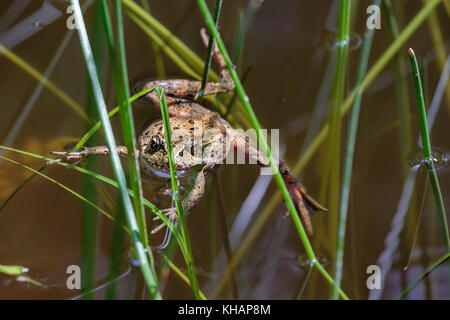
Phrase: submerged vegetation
(216, 258)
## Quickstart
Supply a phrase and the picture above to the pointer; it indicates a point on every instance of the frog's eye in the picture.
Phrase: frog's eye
(155, 144)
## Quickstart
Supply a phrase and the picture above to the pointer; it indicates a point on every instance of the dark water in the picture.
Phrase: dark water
(41, 227)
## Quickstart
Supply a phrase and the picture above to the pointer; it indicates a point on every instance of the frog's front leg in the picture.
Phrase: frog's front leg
(194, 196)
(84, 152)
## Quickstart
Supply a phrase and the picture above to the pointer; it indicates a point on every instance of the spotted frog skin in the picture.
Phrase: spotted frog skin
(201, 139)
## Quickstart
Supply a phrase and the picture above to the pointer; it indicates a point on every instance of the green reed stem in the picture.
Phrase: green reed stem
(181, 274)
(90, 218)
(12, 270)
(427, 148)
(333, 154)
(245, 20)
(115, 253)
(176, 195)
(405, 132)
(126, 117)
(114, 156)
(250, 113)
(439, 46)
(217, 8)
(159, 62)
(349, 156)
(331, 177)
(117, 234)
(423, 276)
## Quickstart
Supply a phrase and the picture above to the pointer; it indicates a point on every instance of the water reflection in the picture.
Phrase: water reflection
(328, 40)
(440, 158)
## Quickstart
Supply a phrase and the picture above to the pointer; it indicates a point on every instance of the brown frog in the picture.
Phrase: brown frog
(201, 139)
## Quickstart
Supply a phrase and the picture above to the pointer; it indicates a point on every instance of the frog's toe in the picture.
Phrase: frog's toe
(158, 228)
(305, 211)
(171, 214)
(305, 205)
(54, 161)
(59, 153)
(73, 157)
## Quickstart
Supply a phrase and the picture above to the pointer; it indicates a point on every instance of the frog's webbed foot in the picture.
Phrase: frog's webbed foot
(303, 202)
(171, 214)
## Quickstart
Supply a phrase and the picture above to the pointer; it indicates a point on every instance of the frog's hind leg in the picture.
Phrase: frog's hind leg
(303, 202)
(178, 90)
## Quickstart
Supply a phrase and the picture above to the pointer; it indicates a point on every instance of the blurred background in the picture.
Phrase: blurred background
(287, 62)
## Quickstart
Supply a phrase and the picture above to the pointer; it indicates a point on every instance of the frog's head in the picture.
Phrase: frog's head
(153, 148)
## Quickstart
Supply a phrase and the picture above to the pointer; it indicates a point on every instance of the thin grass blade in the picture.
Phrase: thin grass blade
(427, 149)
(349, 155)
(441, 261)
(217, 8)
(176, 194)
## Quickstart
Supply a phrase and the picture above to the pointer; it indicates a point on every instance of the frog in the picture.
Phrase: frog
(201, 140)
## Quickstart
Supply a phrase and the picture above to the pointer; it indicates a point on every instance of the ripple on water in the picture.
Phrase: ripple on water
(328, 40)
(305, 263)
(440, 158)
(30, 278)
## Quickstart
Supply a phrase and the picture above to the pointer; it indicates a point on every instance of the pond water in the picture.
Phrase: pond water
(289, 59)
